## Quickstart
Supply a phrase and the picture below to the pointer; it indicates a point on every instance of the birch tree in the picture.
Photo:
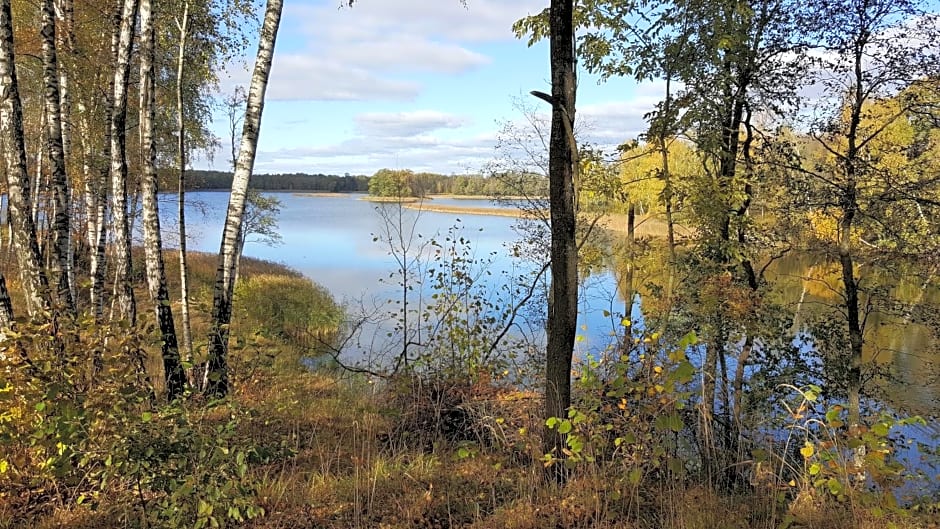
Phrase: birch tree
(56, 155)
(217, 365)
(13, 146)
(124, 297)
(183, 26)
(153, 246)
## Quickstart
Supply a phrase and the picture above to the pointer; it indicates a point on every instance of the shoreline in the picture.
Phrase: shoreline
(646, 225)
(467, 210)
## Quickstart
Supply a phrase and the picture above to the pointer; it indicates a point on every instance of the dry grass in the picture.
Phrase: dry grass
(339, 458)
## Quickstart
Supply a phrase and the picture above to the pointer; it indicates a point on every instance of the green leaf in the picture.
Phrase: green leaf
(635, 476)
(146, 416)
(814, 469)
(835, 486)
(671, 422)
(683, 372)
(564, 427)
(880, 429)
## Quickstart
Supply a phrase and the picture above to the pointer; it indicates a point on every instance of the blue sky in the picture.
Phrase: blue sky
(416, 84)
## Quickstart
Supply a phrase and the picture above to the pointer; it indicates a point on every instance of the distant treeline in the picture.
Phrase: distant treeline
(281, 182)
(411, 184)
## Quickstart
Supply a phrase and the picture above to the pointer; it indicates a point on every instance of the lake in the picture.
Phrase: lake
(330, 239)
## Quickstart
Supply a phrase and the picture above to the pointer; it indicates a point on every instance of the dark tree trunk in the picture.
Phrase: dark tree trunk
(55, 151)
(563, 301)
(124, 292)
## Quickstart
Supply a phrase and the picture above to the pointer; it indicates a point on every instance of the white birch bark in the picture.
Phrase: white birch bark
(183, 26)
(217, 367)
(124, 293)
(13, 148)
(153, 246)
(97, 191)
(56, 155)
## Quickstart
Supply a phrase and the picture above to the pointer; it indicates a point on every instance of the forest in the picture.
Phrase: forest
(773, 233)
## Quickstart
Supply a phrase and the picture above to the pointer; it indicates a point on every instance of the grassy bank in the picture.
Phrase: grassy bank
(294, 448)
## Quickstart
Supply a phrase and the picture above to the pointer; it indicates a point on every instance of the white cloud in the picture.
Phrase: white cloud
(406, 123)
(397, 52)
(365, 155)
(471, 21)
(308, 77)
(360, 54)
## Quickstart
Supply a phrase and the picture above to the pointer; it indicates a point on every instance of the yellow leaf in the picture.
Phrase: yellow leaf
(808, 450)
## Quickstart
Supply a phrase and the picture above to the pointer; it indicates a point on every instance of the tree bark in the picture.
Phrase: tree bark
(153, 246)
(55, 151)
(217, 366)
(124, 292)
(6, 308)
(14, 149)
(563, 302)
(181, 211)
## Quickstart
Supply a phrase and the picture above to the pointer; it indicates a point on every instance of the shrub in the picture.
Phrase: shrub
(79, 423)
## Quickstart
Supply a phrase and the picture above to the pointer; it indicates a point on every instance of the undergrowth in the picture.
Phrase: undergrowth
(87, 444)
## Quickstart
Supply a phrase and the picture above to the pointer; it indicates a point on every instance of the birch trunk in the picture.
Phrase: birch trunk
(217, 368)
(153, 246)
(124, 293)
(181, 211)
(36, 183)
(14, 153)
(99, 193)
(6, 309)
(56, 154)
(563, 302)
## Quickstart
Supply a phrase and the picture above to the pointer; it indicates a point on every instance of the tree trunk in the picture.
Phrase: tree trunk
(153, 246)
(217, 368)
(124, 292)
(181, 211)
(14, 153)
(56, 154)
(100, 191)
(6, 308)
(628, 293)
(65, 43)
(563, 302)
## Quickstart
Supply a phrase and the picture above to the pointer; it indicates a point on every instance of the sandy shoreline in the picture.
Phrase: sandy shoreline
(645, 225)
(466, 210)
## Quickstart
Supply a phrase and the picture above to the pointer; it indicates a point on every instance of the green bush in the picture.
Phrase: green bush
(79, 423)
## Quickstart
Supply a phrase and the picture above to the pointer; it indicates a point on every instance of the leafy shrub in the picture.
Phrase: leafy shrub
(79, 423)
(629, 411)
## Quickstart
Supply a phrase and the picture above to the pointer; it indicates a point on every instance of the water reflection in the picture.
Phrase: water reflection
(330, 239)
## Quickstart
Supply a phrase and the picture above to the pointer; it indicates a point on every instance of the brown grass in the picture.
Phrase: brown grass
(342, 462)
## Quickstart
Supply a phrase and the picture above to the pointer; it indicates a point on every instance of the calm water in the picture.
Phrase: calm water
(330, 240)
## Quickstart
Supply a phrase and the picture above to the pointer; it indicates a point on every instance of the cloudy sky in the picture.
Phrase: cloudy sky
(411, 84)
